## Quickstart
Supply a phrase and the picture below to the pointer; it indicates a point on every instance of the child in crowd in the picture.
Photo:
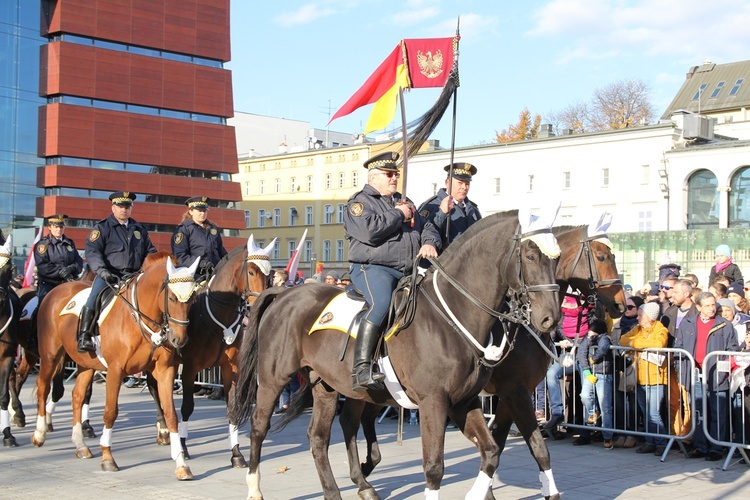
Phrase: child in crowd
(595, 363)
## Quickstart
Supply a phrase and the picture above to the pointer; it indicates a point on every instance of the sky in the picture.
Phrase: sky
(303, 60)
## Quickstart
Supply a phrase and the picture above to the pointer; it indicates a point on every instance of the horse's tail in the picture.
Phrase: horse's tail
(300, 401)
(247, 385)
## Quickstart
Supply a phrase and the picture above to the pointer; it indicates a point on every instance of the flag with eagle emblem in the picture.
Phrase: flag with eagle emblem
(414, 63)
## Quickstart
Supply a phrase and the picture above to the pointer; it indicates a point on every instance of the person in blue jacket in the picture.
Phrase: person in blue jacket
(197, 237)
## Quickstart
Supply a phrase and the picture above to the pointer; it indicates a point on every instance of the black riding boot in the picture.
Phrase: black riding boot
(363, 376)
(84, 335)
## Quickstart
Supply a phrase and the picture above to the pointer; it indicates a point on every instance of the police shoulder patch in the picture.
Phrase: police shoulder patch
(424, 213)
(356, 209)
(94, 235)
(41, 248)
(137, 235)
(70, 248)
(178, 238)
(213, 231)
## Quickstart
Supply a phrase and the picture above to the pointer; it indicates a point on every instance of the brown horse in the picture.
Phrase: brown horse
(215, 333)
(587, 265)
(10, 312)
(147, 308)
(442, 367)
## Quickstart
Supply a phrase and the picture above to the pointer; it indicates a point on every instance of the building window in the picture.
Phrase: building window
(497, 185)
(717, 90)
(277, 188)
(703, 200)
(737, 86)
(247, 218)
(739, 199)
(308, 216)
(699, 92)
(293, 185)
(308, 251)
(290, 246)
(327, 251)
(644, 220)
(328, 210)
(276, 249)
(293, 216)
(340, 213)
(531, 183)
(276, 217)
(340, 250)
(328, 181)
(309, 184)
(566, 180)
(342, 179)
(355, 179)
(262, 216)
(262, 187)
(605, 177)
(247, 189)
(645, 174)
(434, 188)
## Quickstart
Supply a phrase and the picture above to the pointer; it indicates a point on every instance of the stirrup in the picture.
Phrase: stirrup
(85, 344)
(364, 379)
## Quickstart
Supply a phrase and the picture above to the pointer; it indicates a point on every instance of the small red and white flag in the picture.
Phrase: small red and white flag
(293, 263)
(28, 270)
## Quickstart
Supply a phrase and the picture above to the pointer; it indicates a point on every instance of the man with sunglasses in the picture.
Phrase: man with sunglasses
(386, 234)
(455, 206)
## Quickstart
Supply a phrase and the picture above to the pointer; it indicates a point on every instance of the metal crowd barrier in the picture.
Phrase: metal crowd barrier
(732, 406)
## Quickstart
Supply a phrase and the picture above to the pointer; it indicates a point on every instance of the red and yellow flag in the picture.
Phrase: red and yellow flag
(414, 63)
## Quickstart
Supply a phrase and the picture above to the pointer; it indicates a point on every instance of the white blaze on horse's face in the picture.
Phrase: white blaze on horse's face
(261, 257)
(5, 252)
(181, 280)
(546, 241)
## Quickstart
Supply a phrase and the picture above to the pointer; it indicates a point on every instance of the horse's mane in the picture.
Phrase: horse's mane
(482, 225)
(153, 259)
(228, 257)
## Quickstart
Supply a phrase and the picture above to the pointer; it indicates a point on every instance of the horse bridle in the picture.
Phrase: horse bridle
(585, 248)
(5, 291)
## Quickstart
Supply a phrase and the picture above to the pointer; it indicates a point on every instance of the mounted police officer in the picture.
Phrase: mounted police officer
(56, 257)
(456, 206)
(385, 233)
(197, 236)
(117, 246)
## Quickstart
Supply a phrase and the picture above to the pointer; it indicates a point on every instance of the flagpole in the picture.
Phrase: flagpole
(453, 136)
(405, 141)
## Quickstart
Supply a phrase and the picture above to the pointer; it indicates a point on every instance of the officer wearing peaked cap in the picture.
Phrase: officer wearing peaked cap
(456, 206)
(385, 235)
(117, 246)
(56, 257)
(196, 236)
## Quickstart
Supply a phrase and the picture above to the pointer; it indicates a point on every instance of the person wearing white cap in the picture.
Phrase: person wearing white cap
(652, 378)
(725, 267)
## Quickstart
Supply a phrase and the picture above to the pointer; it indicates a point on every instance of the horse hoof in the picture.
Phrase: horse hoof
(37, 441)
(87, 430)
(50, 428)
(163, 439)
(368, 494)
(109, 466)
(239, 462)
(84, 453)
(10, 442)
(183, 473)
(19, 420)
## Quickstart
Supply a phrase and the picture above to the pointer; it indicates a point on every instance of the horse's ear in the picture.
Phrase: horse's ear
(5, 251)
(269, 248)
(8, 246)
(170, 267)
(601, 224)
(195, 265)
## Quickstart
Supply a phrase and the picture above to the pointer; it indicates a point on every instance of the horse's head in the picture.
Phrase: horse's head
(6, 269)
(536, 253)
(257, 268)
(588, 265)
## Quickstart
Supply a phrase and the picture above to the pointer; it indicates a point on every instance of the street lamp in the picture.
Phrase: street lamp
(664, 187)
(313, 259)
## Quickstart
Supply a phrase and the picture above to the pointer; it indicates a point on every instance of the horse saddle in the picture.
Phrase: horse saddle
(102, 307)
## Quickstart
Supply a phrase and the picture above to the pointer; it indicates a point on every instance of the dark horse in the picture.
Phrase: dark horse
(588, 266)
(441, 369)
(146, 323)
(10, 312)
(218, 308)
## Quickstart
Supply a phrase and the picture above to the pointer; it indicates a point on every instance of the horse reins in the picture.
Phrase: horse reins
(585, 248)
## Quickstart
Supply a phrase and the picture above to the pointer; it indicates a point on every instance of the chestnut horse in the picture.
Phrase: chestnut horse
(585, 264)
(145, 323)
(215, 333)
(442, 367)
(10, 312)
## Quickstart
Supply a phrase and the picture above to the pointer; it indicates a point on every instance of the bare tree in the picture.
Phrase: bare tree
(622, 104)
(574, 117)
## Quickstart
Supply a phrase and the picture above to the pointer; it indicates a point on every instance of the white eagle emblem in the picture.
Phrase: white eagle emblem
(430, 65)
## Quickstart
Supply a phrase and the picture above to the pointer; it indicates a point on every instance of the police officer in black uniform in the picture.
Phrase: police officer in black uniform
(463, 212)
(56, 257)
(117, 246)
(197, 236)
(385, 233)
